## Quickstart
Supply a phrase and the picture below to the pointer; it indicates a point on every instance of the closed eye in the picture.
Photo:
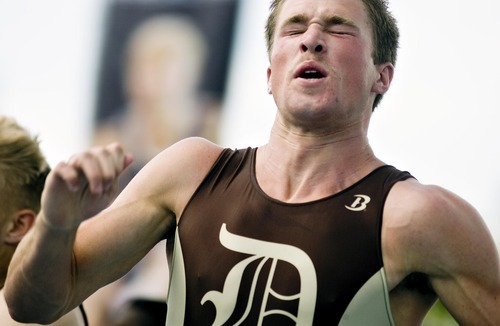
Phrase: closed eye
(341, 26)
(339, 32)
(294, 29)
(295, 32)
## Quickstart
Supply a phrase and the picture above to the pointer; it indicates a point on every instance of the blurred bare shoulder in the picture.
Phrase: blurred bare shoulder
(175, 173)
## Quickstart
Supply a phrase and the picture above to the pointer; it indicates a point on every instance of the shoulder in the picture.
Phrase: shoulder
(186, 157)
(422, 207)
(430, 230)
(411, 201)
(194, 147)
(174, 174)
(192, 156)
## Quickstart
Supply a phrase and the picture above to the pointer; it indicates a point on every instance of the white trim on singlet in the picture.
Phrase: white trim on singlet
(176, 301)
(370, 306)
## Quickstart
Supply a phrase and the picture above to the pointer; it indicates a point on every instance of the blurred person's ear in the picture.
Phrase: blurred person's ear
(19, 226)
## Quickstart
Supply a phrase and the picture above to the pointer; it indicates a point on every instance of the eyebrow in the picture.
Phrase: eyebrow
(332, 20)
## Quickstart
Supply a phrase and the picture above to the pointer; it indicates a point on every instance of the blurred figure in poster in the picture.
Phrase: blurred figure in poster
(162, 68)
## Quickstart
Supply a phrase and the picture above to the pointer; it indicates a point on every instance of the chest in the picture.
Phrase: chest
(245, 252)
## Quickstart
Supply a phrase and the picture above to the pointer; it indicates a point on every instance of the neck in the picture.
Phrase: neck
(299, 167)
(6, 253)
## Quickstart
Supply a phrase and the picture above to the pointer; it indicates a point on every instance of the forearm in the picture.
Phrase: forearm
(42, 274)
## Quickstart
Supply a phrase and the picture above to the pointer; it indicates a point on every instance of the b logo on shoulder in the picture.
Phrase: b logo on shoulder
(359, 204)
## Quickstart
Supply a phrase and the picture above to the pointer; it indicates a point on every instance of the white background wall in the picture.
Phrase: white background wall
(440, 120)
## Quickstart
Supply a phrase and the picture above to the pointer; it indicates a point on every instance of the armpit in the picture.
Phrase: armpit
(416, 282)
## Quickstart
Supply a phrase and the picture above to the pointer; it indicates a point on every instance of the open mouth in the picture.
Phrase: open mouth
(310, 71)
(311, 74)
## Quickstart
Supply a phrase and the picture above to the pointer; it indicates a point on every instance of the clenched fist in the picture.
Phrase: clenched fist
(83, 186)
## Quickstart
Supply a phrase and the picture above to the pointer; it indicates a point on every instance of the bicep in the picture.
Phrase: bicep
(461, 259)
(110, 244)
(468, 282)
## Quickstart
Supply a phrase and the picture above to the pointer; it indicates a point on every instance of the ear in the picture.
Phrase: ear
(19, 226)
(269, 86)
(385, 75)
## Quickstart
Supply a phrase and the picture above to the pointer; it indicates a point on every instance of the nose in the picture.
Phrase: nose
(313, 41)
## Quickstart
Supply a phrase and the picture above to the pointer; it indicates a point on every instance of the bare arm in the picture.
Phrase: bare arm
(436, 233)
(64, 260)
(73, 190)
(73, 318)
(468, 278)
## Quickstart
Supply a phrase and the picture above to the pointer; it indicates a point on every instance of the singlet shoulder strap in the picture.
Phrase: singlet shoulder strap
(84, 315)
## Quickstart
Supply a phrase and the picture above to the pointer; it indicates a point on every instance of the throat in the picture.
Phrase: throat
(307, 187)
(309, 179)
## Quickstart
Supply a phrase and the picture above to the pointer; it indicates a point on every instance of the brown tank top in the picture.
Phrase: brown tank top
(242, 257)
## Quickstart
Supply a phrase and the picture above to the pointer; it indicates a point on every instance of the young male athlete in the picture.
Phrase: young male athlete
(311, 228)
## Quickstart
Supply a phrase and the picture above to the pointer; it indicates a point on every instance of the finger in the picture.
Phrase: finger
(118, 155)
(89, 170)
(128, 159)
(68, 174)
(102, 166)
(121, 160)
(114, 160)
